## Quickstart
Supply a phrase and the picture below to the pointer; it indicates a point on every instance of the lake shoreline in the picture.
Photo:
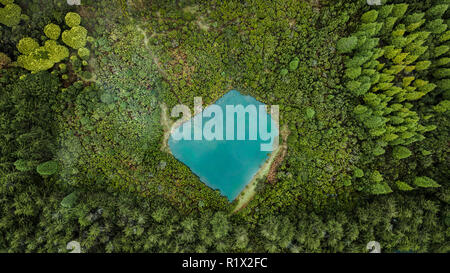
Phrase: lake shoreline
(248, 192)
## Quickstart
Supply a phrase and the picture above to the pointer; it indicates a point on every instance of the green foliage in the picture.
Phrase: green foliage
(27, 45)
(75, 37)
(444, 36)
(47, 168)
(37, 58)
(4, 60)
(10, 14)
(399, 10)
(52, 31)
(376, 177)
(401, 152)
(346, 45)
(106, 133)
(422, 65)
(442, 73)
(83, 53)
(56, 52)
(369, 17)
(385, 11)
(293, 65)
(380, 188)
(437, 11)
(403, 186)
(23, 165)
(442, 106)
(440, 50)
(310, 113)
(358, 173)
(72, 19)
(353, 72)
(70, 200)
(414, 18)
(425, 182)
(436, 26)
(443, 61)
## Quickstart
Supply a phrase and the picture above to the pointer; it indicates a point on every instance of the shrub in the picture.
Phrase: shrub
(385, 11)
(69, 200)
(72, 19)
(399, 10)
(437, 11)
(373, 122)
(380, 188)
(47, 168)
(293, 64)
(425, 182)
(84, 53)
(376, 177)
(444, 84)
(52, 31)
(445, 36)
(442, 107)
(10, 15)
(23, 165)
(56, 52)
(353, 72)
(358, 173)
(75, 37)
(422, 65)
(27, 45)
(440, 50)
(401, 152)
(369, 17)
(4, 60)
(442, 73)
(310, 113)
(403, 186)
(37, 61)
(389, 24)
(346, 45)
(414, 18)
(436, 26)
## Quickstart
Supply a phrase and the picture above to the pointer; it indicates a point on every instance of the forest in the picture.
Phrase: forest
(363, 91)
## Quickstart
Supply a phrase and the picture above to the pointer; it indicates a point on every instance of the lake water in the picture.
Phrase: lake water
(227, 165)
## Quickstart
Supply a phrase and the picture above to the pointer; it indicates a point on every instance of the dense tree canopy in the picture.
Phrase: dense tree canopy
(364, 113)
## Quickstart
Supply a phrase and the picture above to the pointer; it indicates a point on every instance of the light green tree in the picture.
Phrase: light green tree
(425, 182)
(72, 19)
(10, 14)
(47, 168)
(52, 31)
(75, 37)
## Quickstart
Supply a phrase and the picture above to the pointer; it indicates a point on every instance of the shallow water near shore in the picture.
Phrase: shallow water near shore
(226, 165)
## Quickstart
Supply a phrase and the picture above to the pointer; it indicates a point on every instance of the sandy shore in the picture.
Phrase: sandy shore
(249, 191)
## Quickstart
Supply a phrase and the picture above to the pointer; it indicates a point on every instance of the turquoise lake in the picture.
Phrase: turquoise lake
(226, 165)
